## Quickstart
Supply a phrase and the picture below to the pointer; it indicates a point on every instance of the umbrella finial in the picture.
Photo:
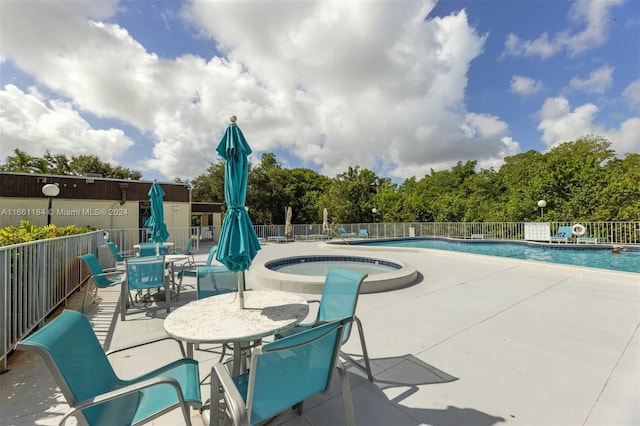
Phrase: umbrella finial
(233, 119)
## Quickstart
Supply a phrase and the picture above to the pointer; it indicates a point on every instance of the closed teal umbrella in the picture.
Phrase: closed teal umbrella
(155, 223)
(238, 244)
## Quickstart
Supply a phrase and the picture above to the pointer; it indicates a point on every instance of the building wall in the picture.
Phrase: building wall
(99, 214)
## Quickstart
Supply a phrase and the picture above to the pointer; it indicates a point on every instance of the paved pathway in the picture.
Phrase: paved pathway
(477, 341)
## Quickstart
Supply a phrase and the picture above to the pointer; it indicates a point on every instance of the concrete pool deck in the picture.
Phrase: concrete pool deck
(476, 341)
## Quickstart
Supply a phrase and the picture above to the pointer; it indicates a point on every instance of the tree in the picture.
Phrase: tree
(20, 162)
(59, 164)
(209, 187)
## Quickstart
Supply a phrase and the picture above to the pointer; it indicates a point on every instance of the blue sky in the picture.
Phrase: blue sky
(399, 87)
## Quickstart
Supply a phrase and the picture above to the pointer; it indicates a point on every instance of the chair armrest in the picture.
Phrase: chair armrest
(109, 273)
(311, 324)
(118, 393)
(148, 342)
(233, 400)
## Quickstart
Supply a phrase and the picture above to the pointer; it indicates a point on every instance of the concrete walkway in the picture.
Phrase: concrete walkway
(476, 341)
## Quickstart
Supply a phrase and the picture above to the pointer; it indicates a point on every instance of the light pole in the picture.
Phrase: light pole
(50, 190)
(374, 211)
(542, 204)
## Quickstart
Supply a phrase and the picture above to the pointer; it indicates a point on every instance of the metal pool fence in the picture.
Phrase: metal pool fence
(38, 277)
(604, 232)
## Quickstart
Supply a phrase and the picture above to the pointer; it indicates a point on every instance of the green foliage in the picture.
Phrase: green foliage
(581, 180)
(26, 232)
(59, 164)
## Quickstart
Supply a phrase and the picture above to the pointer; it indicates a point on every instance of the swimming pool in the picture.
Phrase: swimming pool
(306, 274)
(566, 254)
(321, 265)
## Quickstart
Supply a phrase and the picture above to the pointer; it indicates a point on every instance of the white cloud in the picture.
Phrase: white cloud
(587, 30)
(626, 139)
(34, 125)
(631, 94)
(525, 86)
(331, 83)
(558, 123)
(597, 82)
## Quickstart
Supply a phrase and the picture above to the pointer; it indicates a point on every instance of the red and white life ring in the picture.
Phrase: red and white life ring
(578, 229)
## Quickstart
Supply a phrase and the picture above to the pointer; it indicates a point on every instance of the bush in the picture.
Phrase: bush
(26, 232)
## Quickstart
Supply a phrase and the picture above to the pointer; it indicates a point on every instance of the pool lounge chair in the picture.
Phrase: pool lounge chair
(278, 238)
(563, 235)
(344, 234)
(363, 233)
(586, 240)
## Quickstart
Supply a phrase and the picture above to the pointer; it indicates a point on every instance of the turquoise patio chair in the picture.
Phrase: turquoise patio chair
(149, 249)
(96, 395)
(188, 251)
(563, 234)
(214, 280)
(283, 374)
(100, 278)
(189, 269)
(117, 254)
(144, 273)
(339, 299)
(363, 233)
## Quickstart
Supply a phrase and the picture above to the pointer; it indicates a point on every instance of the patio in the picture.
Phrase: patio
(477, 341)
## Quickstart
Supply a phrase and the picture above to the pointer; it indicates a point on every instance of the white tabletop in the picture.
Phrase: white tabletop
(170, 258)
(219, 319)
(137, 246)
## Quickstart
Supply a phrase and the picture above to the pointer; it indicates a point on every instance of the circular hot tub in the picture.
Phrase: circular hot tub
(306, 274)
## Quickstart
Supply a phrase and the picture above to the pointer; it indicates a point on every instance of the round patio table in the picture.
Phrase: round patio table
(219, 319)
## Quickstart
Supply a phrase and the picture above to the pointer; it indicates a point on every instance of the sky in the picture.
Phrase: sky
(398, 87)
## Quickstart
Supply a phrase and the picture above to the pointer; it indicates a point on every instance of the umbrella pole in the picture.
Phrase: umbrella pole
(241, 289)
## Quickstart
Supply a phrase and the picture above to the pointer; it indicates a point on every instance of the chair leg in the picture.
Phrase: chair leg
(365, 354)
(214, 404)
(346, 395)
(167, 294)
(86, 293)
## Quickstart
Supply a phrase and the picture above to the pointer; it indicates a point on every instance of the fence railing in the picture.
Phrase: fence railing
(605, 232)
(126, 238)
(35, 279)
(38, 277)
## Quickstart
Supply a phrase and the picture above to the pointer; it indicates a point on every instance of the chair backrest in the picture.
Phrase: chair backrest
(212, 255)
(149, 249)
(564, 231)
(145, 272)
(213, 280)
(116, 253)
(292, 369)
(73, 355)
(364, 233)
(342, 231)
(96, 271)
(340, 296)
(106, 258)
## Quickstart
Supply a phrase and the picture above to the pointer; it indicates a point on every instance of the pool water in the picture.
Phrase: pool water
(603, 258)
(322, 268)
